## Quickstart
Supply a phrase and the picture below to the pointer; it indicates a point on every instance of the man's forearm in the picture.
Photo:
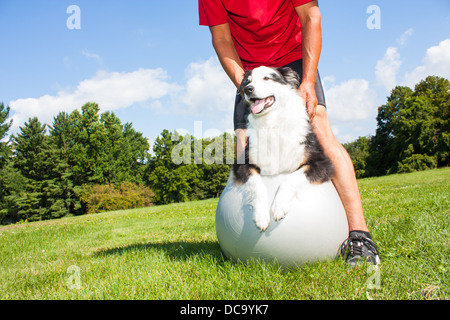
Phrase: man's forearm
(311, 40)
(227, 54)
(311, 52)
(227, 58)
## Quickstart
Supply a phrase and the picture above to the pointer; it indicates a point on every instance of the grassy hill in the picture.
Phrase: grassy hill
(171, 252)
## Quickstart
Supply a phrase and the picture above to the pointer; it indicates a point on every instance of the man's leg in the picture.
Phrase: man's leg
(240, 125)
(359, 247)
(241, 143)
(345, 178)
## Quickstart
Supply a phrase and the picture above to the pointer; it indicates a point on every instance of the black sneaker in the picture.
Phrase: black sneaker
(359, 248)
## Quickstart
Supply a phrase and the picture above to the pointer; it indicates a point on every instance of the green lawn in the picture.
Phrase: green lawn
(171, 252)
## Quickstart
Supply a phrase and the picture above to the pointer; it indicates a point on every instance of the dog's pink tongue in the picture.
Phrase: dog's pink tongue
(258, 106)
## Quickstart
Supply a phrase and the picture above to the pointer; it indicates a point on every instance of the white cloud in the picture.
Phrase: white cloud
(386, 69)
(111, 90)
(208, 89)
(94, 56)
(351, 100)
(207, 93)
(404, 37)
(436, 62)
(352, 105)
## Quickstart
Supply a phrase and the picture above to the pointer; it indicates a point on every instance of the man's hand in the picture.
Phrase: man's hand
(308, 92)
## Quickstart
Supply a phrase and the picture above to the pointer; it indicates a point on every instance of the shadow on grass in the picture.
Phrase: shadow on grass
(179, 250)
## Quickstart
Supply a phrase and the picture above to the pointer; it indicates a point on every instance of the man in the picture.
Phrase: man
(275, 33)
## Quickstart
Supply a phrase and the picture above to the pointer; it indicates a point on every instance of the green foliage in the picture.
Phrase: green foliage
(101, 198)
(4, 127)
(184, 168)
(412, 131)
(5, 153)
(99, 149)
(359, 153)
(50, 171)
(416, 162)
(13, 184)
(36, 160)
(72, 169)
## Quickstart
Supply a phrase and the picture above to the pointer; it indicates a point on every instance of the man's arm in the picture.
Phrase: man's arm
(310, 20)
(226, 52)
(231, 63)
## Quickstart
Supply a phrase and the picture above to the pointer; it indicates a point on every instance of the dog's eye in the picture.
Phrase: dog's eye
(266, 78)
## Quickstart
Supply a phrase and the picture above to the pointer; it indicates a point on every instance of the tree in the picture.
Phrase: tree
(13, 184)
(359, 153)
(218, 155)
(170, 181)
(92, 135)
(62, 136)
(4, 128)
(185, 168)
(412, 123)
(385, 147)
(138, 152)
(28, 149)
(5, 153)
(434, 140)
(49, 175)
(125, 151)
(97, 149)
(37, 161)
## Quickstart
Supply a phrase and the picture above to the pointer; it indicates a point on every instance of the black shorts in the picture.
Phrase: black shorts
(241, 111)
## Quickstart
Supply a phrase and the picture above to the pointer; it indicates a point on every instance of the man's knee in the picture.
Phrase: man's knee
(321, 124)
(320, 115)
(241, 142)
(324, 133)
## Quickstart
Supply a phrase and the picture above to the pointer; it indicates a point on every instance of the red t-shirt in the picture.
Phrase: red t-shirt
(265, 32)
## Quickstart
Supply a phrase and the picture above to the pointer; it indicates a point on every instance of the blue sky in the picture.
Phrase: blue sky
(152, 64)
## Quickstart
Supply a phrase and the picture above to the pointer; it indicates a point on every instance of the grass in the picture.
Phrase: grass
(171, 252)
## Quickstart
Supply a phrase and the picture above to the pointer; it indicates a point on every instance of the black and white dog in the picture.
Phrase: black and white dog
(281, 141)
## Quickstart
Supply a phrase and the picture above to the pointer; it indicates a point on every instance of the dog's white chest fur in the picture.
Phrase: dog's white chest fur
(276, 139)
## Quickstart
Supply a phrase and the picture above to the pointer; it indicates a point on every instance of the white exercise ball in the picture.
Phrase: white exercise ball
(312, 231)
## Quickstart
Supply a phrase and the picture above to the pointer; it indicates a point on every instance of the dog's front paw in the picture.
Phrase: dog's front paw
(279, 208)
(261, 216)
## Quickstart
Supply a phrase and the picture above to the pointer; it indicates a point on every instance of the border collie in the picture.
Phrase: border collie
(280, 141)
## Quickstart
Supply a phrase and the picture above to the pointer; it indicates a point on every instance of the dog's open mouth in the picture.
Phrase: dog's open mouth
(258, 105)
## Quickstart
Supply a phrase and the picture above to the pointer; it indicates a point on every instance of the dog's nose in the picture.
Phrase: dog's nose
(249, 89)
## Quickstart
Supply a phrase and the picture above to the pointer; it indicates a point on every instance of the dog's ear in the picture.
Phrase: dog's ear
(244, 82)
(290, 76)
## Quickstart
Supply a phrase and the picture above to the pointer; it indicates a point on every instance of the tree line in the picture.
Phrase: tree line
(88, 162)
(412, 132)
